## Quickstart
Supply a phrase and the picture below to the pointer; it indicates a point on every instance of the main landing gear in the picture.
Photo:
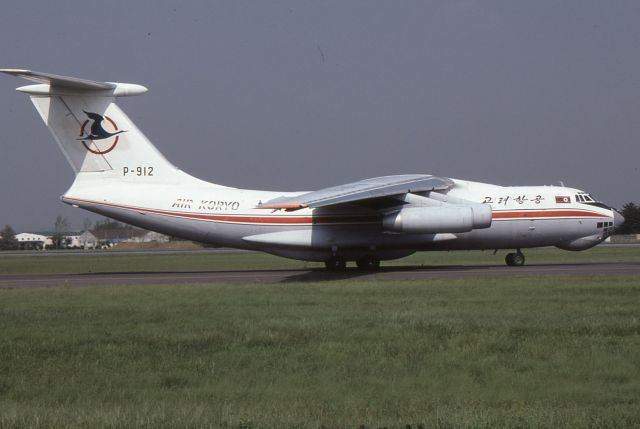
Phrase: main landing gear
(515, 259)
(335, 263)
(366, 263)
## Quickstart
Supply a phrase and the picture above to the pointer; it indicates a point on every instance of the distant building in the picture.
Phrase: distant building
(87, 240)
(84, 240)
(31, 241)
(154, 236)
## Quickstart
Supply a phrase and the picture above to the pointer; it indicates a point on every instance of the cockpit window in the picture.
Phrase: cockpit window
(583, 197)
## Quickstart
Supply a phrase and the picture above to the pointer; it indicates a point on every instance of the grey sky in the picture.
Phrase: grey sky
(303, 95)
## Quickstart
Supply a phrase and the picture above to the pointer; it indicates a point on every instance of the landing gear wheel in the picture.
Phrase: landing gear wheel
(368, 263)
(515, 259)
(335, 264)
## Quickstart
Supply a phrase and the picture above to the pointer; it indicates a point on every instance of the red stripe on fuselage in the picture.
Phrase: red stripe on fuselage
(528, 214)
(276, 219)
(336, 219)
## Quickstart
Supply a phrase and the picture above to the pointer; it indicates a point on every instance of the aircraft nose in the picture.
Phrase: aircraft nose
(618, 219)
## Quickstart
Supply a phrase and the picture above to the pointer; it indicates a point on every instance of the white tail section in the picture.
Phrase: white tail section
(94, 134)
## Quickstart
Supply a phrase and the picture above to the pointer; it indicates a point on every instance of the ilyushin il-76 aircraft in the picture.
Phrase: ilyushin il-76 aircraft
(120, 174)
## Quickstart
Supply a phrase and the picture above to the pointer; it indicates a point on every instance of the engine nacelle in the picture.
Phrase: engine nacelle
(449, 218)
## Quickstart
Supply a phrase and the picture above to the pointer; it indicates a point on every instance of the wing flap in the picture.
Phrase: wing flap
(367, 189)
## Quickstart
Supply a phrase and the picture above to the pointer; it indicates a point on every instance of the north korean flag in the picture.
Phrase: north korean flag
(563, 200)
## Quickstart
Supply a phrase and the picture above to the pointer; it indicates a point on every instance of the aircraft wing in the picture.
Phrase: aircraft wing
(362, 190)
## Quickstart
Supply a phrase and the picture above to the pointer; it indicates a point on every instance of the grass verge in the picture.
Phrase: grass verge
(523, 352)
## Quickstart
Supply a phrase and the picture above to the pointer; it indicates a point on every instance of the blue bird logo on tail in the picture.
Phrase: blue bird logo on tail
(97, 132)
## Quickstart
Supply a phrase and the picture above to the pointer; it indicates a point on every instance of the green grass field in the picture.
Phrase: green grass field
(185, 261)
(524, 352)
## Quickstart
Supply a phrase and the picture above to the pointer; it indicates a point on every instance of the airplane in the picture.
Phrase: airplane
(120, 174)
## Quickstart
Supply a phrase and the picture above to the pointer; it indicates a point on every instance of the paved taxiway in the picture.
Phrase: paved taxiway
(280, 276)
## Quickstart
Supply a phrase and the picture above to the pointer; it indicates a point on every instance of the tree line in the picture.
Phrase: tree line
(631, 225)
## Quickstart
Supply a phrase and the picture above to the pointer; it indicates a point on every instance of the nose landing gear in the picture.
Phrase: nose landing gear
(515, 259)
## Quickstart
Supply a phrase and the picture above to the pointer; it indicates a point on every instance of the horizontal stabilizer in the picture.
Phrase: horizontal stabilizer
(55, 80)
(52, 83)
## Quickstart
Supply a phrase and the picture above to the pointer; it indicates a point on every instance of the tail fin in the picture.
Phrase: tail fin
(91, 130)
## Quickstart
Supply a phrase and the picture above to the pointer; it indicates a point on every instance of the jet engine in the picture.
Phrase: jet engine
(446, 218)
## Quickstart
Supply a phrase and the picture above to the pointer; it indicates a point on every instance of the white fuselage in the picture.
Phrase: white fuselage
(522, 217)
